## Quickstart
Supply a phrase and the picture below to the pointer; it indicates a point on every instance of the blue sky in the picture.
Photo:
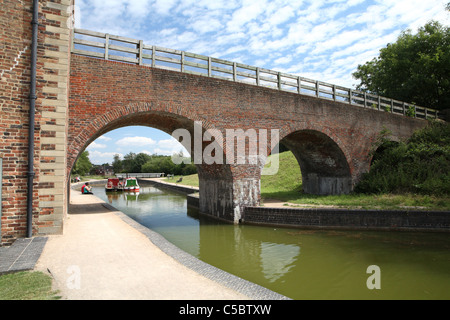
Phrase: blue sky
(320, 39)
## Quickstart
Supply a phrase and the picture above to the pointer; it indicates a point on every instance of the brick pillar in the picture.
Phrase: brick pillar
(49, 190)
(54, 60)
(226, 189)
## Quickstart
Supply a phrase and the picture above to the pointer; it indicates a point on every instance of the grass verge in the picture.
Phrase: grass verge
(190, 180)
(27, 285)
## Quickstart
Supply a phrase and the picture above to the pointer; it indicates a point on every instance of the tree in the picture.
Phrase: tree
(83, 165)
(117, 164)
(414, 69)
(420, 165)
(139, 161)
(128, 162)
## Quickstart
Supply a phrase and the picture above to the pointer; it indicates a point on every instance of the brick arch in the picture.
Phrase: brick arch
(329, 132)
(324, 166)
(324, 159)
(136, 114)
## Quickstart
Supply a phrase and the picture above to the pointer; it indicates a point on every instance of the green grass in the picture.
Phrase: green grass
(362, 201)
(27, 286)
(191, 180)
(287, 180)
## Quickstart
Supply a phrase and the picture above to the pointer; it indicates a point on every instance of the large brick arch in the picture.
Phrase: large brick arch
(141, 114)
(216, 181)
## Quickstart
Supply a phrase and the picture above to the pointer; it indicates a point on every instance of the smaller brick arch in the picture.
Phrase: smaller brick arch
(324, 166)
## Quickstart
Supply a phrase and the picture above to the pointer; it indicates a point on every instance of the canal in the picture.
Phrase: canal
(300, 264)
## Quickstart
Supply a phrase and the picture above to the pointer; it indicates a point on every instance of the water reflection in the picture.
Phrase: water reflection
(301, 264)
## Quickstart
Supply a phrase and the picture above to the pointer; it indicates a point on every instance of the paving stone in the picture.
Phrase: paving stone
(21, 255)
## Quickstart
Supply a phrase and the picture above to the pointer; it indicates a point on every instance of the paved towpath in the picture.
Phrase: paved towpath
(103, 254)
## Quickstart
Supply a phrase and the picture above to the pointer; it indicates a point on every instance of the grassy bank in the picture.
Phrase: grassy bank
(286, 186)
(191, 180)
(27, 286)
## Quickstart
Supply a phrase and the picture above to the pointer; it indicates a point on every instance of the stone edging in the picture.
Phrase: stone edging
(229, 280)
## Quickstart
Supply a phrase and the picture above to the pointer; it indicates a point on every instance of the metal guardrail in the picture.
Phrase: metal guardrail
(133, 51)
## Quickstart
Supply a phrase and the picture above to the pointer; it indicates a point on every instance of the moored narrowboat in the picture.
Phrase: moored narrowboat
(131, 184)
(114, 184)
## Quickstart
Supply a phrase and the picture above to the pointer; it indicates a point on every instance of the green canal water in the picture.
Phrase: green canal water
(300, 264)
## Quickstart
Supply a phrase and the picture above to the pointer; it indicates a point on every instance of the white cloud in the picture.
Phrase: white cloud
(169, 147)
(97, 157)
(164, 6)
(206, 25)
(95, 145)
(249, 11)
(135, 141)
(104, 138)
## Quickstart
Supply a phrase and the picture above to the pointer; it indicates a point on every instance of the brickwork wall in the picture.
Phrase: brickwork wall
(50, 123)
(349, 219)
(15, 49)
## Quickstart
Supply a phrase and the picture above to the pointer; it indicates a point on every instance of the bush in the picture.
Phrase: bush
(420, 165)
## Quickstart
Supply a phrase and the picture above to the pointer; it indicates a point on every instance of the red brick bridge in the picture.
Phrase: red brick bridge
(88, 83)
(330, 138)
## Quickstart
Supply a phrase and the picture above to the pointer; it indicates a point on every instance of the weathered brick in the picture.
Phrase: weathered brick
(52, 80)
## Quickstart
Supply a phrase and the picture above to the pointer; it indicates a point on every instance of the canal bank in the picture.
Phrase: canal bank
(330, 218)
(104, 254)
(298, 263)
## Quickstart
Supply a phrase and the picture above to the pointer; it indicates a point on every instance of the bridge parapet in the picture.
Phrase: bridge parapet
(122, 49)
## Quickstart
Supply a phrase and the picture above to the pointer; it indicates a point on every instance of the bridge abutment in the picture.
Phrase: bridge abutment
(314, 184)
(51, 110)
(224, 192)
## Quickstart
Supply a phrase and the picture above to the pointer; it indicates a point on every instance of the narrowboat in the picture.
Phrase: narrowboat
(114, 184)
(131, 184)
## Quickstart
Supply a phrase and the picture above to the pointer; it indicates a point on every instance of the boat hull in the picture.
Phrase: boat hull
(134, 189)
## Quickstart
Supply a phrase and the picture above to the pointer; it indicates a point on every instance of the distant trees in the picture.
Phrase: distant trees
(414, 69)
(144, 163)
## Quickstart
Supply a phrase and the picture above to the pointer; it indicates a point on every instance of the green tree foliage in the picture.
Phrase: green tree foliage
(83, 165)
(117, 163)
(421, 165)
(414, 69)
(144, 163)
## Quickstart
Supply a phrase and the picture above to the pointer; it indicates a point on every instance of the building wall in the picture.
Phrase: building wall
(49, 194)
